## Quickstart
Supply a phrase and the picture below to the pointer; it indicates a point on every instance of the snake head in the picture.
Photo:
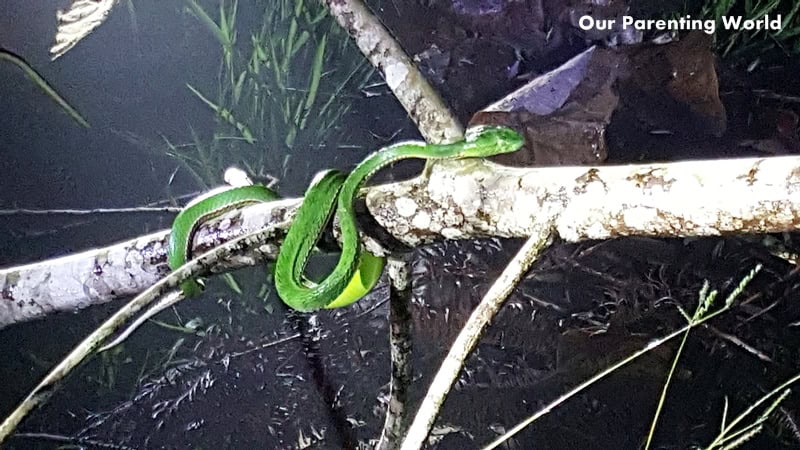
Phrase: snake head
(489, 140)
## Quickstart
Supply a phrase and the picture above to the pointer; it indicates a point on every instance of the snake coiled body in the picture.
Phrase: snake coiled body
(330, 191)
(356, 271)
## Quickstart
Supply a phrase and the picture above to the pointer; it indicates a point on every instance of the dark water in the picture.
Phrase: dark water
(127, 79)
(259, 376)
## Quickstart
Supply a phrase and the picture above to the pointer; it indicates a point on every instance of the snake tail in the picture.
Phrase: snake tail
(201, 210)
(353, 281)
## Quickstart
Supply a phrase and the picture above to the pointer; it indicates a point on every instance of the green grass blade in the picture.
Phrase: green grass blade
(289, 44)
(290, 137)
(723, 7)
(185, 160)
(231, 22)
(316, 74)
(205, 163)
(342, 85)
(237, 88)
(43, 85)
(225, 115)
(300, 42)
(232, 283)
(132, 15)
(212, 26)
(276, 71)
(766, 9)
(208, 102)
(319, 17)
(223, 21)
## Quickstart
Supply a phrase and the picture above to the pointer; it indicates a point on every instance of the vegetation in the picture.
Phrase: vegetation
(732, 434)
(748, 45)
(43, 85)
(281, 91)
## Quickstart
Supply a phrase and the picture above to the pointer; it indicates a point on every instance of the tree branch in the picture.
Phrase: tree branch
(422, 102)
(253, 242)
(468, 199)
(400, 342)
(468, 337)
(124, 269)
(462, 199)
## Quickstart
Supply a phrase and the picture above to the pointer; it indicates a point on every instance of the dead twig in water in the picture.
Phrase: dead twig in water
(42, 392)
(437, 124)
(86, 212)
(396, 420)
(541, 237)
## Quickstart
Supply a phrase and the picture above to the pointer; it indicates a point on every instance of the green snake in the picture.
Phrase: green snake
(219, 201)
(356, 271)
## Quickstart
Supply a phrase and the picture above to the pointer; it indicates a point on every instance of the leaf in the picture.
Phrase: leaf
(316, 73)
(231, 282)
(43, 85)
(212, 26)
(77, 21)
(300, 42)
(237, 89)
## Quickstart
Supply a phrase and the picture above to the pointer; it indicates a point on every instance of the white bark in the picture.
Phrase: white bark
(689, 198)
(77, 21)
(120, 270)
(422, 102)
(463, 199)
(42, 392)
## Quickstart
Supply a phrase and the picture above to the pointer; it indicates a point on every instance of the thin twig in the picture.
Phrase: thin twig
(266, 345)
(541, 236)
(735, 340)
(80, 212)
(86, 212)
(42, 392)
(630, 358)
(167, 300)
(396, 420)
